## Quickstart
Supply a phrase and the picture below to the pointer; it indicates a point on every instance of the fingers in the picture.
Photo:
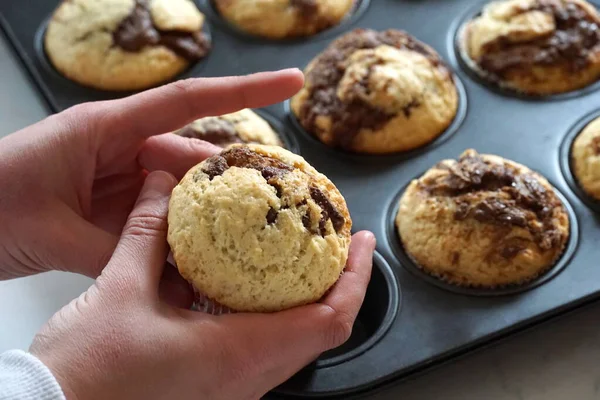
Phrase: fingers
(142, 251)
(174, 154)
(348, 293)
(172, 106)
(281, 344)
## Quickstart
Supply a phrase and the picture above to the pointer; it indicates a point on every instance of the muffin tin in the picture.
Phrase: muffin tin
(431, 322)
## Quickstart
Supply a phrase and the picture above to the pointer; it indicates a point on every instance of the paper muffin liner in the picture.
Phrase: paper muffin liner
(206, 305)
(201, 302)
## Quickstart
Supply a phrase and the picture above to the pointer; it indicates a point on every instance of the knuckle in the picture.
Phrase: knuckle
(184, 89)
(340, 328)
(146, 224)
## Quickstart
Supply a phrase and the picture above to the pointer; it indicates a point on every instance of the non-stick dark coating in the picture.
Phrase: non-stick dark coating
(434, 324)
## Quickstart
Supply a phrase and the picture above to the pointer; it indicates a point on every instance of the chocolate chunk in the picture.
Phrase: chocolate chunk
(272, 216)
(308, 8)
(243, 157)
(306, 221)
(596, 145)
(511, 250)
(137, 31)
(191, 46)
(328, 211)
(492, 210)
(349, 118)
(218, 131)
(513, 198)
(215, 166)
(576, 35)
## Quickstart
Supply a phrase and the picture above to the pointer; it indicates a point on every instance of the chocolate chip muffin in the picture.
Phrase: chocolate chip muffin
(280, 19)
(244, 126)
(585, 159)
(256, 228)
(482, 221)
(376, 92)
(536, 47)
(125, 44)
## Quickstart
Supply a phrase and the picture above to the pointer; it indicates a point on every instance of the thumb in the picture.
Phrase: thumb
(139, 258)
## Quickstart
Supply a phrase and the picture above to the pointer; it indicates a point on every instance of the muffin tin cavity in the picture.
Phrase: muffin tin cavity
(463, 61)
(395, 243)
(381, 305)
(286, 136)
(209, 8)
(566, 161)
(42, 61)
(461, 113)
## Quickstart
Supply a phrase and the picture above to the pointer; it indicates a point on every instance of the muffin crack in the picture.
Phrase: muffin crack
(575, 34)
(272, 171)
(360, 83)
(498, 194)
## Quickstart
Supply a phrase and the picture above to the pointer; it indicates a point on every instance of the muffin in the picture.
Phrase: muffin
(257, 229)
(244, 126)
(125, 44)
(536, 47)
(482, 221)
(280, 19)
(585, 159)
(376, 92)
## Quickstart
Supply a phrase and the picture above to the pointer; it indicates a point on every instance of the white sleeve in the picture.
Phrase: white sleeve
(24, 377)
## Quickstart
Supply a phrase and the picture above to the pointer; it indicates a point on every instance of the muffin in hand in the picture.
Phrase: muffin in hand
(482, 221)
(376, 92)
(257, 229)
(125, 44)
(536, 47)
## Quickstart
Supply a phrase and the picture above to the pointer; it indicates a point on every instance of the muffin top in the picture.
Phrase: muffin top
(125, 44)
(376, 92)
(519, 40)
(495, 191)
(256, 228)
(497, 222)
(585, 159)
(280, 19)
(243, 126)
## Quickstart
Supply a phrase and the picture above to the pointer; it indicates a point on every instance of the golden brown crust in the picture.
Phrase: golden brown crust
(256, 228)
(280, 19)
(377, 92)
(482, 221)
(125, 45)
(537, 47)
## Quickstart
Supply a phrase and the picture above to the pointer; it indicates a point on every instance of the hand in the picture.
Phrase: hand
(120, 341)
(68, 183)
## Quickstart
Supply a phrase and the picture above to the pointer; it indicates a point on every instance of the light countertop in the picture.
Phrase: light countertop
(556, 361)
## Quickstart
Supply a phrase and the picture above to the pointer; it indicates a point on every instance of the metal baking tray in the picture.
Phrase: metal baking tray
(409, 322)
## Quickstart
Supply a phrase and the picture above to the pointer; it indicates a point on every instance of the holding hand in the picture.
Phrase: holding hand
(69, 182)
(120, 340)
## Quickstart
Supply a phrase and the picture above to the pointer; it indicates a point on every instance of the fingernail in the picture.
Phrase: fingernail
(157, 185)
(370, 238)
(291, 70)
